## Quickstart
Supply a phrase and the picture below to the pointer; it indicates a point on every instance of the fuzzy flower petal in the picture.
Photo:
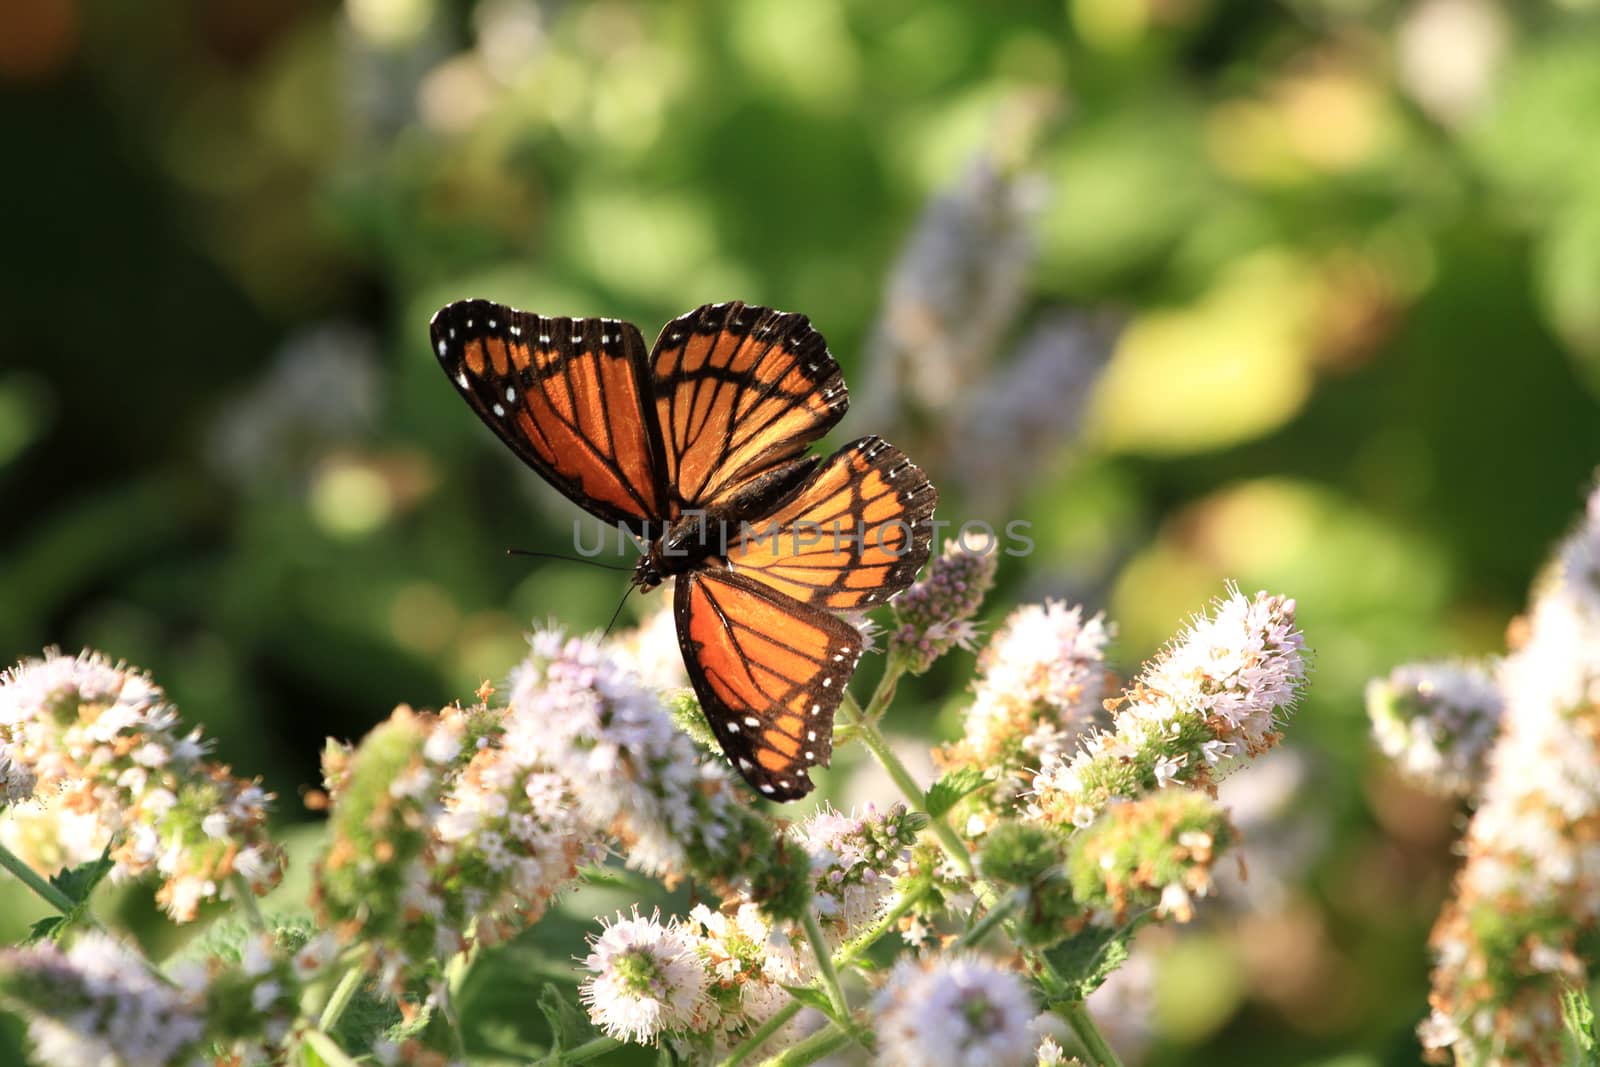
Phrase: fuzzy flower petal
(957, 1011)
(646, 980)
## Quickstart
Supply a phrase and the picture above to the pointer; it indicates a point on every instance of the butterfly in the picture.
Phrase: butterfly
(700, 449)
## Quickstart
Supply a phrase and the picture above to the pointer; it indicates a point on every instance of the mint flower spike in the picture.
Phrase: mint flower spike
(443, 836)
(99, 1004)
(580, 710)
(1437, 721)
(854, 863)
(1040, 686)
(1218, 691)
(934, 615)
(956, 287)
(100, 741)
(646, 981)
(1157, 852)
(957, 1011)
(1508, 944)
(750, 965)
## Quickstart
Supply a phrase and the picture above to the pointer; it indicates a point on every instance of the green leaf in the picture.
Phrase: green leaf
(77, 884)
(567, 1025)
(1087, 958)
(44, 930)
(812, 997)
(1578, 1015)
(947, 792)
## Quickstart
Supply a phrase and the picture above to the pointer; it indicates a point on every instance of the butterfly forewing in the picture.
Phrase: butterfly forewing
(568, 396)
(769, 672)
(739, 390)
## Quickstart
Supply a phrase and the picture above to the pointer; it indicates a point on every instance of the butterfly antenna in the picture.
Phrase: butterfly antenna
(631, 587)
(565, 559)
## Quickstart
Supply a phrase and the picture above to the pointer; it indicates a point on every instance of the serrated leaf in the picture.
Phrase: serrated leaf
(1578, 1016)
(1087, 958)
(77, 883)
(947, 792)
(567, 1025)
(811, 997)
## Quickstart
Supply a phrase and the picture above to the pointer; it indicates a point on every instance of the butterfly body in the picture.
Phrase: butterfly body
(700, 537)
(699, 448)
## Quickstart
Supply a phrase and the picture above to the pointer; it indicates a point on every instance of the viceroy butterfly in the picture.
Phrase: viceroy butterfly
(702, 443)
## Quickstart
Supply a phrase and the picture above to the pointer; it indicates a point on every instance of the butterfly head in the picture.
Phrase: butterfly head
(647, 573)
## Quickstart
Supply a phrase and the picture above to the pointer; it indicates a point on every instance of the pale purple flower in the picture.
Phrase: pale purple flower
(956, 1011)
(1040, 686)
(955, 289)
(99, 1005)
(934, 615)
(1030, 406)
(1437, 722)
(854, 860)
(582, 712)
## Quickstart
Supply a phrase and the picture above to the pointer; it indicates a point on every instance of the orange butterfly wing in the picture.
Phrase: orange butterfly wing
(769, 672)
(566, 395)
(850, 537)
(739, 390)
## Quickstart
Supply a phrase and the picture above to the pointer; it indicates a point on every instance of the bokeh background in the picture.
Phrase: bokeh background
(1303, 293)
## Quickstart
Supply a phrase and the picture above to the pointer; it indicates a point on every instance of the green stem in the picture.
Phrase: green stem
(761, 1034)
(883, 696)
(891, 918)
(247, 902)
(954, 847)
(823, 1043)
(340, 1000)
(998, 913)
(30, 878)
(591, 1049)
(1093, 1041)
(825, 972)
(327, 1048)
(844, 958)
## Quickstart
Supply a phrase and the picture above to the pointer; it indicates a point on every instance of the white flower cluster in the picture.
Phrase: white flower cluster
(99, 1005)
(581, 712)
(646, 979)
(959, 1011)
(1437, 722)
(746, 960)
(444, 833)
(1217, 691)
(1040, 686)
(99, 741)
(709, 981)
(854, 860)
(1506, 945)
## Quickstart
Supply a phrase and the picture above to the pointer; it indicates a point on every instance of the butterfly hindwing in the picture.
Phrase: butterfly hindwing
(770, 673)
(569, 396)
(739, 390)
(854, 534)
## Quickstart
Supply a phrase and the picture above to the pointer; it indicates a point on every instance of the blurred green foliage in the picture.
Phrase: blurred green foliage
(1356, 243)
